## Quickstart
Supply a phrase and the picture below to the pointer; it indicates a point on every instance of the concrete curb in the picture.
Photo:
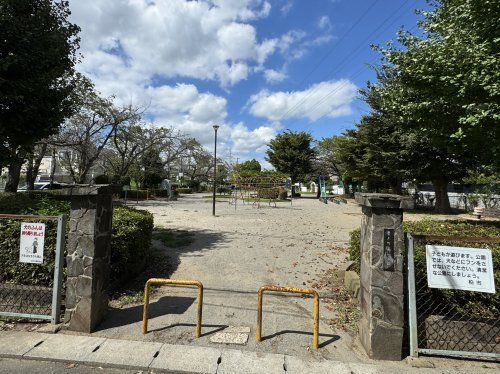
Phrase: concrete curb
(144, 356)
(138, 355)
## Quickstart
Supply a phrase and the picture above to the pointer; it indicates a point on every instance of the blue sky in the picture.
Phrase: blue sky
(255, 67)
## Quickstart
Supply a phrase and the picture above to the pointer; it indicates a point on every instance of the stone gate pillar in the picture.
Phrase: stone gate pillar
(88, 257)
(382, 310)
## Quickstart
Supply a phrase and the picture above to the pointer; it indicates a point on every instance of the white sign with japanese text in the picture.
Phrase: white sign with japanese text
(32, 242)
(458, 268)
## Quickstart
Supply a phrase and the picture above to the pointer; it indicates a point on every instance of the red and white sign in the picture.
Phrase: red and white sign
(32, 242)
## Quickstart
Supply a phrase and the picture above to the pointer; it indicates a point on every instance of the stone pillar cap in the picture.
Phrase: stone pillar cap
(384, 200)
(85, 190)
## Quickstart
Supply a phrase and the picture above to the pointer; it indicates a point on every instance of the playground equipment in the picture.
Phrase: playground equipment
(324, 197)
(257, 189)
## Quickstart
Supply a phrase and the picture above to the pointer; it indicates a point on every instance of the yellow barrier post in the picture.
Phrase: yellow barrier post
(303, 291)
(179, 282)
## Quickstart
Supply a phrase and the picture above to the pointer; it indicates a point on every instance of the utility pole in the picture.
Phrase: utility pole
(216, 127)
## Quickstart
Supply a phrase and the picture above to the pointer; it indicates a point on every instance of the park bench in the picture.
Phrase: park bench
(486, 212)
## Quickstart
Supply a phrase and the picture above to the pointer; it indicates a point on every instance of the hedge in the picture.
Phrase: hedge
(470, 303)
(130, 243)
(135, 194)
(143, 194)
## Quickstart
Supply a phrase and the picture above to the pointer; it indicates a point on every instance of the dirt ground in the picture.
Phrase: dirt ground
(235, 253)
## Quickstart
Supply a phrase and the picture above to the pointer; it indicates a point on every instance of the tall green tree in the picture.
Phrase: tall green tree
(38, 53)
(291, 153)
(434, 107)
(445, 95)
(249, 166)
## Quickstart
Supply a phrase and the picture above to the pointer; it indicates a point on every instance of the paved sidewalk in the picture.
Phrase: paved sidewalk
(159, 357)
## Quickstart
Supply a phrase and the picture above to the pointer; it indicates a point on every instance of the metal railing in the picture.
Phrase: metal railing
(30, 300)
(303, 291)
(178, 282)
(449, 321)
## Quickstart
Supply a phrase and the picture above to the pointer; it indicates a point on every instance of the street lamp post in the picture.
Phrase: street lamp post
(216, 127)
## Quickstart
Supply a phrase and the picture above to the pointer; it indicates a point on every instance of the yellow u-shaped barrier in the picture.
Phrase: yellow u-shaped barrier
(304, 291)
(179, 282)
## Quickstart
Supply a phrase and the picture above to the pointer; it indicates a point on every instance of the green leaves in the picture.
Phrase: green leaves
(291, 153)
(38, 52)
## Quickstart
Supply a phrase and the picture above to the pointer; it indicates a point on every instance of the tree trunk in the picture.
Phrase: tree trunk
(346, 182)
(14, 175)
(52, 167)
(30, 175)
(396, 187)
(442, 202)
(34, 165)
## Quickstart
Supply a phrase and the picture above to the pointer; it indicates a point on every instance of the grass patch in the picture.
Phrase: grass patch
(173, 238)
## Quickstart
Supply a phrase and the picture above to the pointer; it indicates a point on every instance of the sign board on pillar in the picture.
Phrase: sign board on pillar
(389, 260)
(32, 242)
(459, 268)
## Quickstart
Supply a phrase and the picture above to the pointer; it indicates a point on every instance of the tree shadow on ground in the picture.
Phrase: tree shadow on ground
(216, 328)
(117, 317)
(167, 248)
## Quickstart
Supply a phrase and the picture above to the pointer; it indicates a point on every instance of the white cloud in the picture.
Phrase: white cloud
(324, 23)
(285, 9)
(330, 98)
(274, 76)
(205, 39)
(255, 140)
(192, 112)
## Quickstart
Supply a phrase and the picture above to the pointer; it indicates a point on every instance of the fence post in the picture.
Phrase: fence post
(58, 266)
(382, 307)
(89, 247)
(412, 303)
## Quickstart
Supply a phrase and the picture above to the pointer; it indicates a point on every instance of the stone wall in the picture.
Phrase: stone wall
(88, 257)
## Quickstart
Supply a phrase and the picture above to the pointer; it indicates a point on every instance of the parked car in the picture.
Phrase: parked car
(44, 186)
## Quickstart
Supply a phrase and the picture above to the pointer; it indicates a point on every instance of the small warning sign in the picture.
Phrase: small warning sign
(32, 242)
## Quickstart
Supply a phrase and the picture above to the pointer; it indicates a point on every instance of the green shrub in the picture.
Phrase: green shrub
(223, 190)
(471, 303)
(130, 243)
(135, 194)
(101, 179)
(184, 190)
(355, 248)
(11, 270)
(160, 193)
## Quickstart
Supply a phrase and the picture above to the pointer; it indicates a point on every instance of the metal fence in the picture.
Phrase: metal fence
(451, 322)
(31, 290)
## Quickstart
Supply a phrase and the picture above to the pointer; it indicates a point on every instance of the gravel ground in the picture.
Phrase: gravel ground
(235, 253)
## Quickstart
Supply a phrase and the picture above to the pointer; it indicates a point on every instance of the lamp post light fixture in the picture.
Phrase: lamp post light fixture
(216, 127)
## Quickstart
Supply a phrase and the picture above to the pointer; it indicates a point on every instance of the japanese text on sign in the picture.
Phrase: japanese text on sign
(458, 268)
(32, 242)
